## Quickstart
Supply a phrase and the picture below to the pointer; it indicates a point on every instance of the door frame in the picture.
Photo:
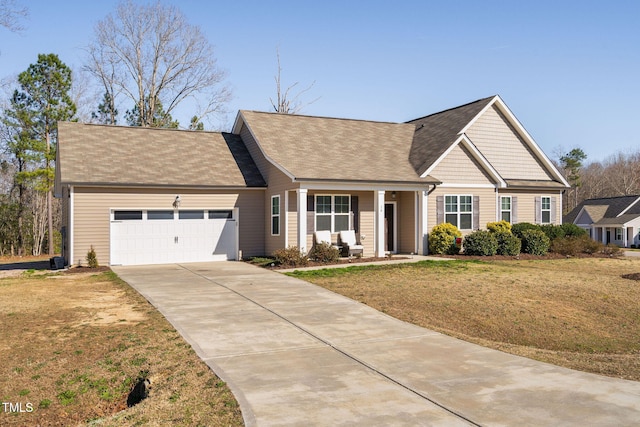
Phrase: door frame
(394, 211)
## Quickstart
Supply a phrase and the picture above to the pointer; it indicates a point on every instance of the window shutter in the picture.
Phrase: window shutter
(553, 210)
(538, 205)
(514, 210)
(311, 214)
(439, 209)
(355, 214)
(476, 212)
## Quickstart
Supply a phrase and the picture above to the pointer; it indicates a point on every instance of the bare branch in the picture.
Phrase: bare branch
(11, 15)
(284, 103)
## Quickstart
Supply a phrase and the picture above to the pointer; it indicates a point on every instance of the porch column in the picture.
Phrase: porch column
(302, 219)
(379, 223)
(604, 235)
(422, 226)
(625, 240)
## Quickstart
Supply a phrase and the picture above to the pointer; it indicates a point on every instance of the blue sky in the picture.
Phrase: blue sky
(569, 70)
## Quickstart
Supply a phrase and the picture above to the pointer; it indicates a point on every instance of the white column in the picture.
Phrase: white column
(379, 221)
(284, 218)
(422, 200)
(302, 219)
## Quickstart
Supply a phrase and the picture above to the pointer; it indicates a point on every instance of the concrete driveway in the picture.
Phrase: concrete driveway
(296, 354)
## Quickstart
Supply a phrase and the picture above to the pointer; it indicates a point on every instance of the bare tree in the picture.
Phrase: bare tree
(11, 15)
(150, 55)
(286, 103)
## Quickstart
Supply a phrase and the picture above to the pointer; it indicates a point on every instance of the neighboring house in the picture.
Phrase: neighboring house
(278, 178)
(609, 220)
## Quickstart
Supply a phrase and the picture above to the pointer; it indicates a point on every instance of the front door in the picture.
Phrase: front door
(390, 227)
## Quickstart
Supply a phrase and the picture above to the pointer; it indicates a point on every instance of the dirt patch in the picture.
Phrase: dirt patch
(631, 276)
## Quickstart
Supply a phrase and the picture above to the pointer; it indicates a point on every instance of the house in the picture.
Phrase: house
(613, 220)
(140, 195)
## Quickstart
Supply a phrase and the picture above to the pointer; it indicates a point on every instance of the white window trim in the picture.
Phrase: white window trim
(277, 196)
(621, 236)
(543, 210)
(510, 210)
(333, 213)
(458, 213)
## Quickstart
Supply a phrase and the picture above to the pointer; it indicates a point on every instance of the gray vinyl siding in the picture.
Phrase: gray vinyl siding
(92, 209)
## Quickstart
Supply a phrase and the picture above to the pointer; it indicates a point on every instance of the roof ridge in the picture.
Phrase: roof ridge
(324, 117)
(137, 128)
(451, 109)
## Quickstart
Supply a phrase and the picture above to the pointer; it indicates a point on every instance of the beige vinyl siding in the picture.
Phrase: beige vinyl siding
(527, 204)
(487, 200)
(460, 167)
(292, 219)
(504, 149)
(406, 217)
(92, 214)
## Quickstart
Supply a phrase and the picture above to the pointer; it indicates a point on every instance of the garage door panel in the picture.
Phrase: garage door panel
(160, 241)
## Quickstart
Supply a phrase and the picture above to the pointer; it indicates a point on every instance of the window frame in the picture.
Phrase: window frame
(332, 214)
(275, 216)
(503, 210)
(458, 213)
(544, 210)
(619, 237)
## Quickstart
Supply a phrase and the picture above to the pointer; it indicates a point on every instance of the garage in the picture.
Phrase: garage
(148, 236)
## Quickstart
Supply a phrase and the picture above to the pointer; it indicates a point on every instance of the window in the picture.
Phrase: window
(618, 234)
(220, 215)
(546, 210)
(332, 212)
(505, 208)
(458, 210)
(275, 215)
(127, 215)
(191, 215)
(151, 215)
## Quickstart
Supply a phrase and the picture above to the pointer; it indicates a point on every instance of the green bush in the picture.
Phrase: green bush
(553, 231)
(535, 242)
(519, 228)
(442, 239)
(92, 258)
(573, 230)
(508, 244)
(499, 226)
(480, 242)
(291, 257)
(324, 253)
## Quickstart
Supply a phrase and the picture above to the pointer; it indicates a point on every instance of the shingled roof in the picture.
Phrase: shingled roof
(118, 155)
(320, 148)
(435, 133)
(614, 207)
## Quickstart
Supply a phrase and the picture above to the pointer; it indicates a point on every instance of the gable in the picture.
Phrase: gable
(507, 152)
(584, 218)
(459, 166)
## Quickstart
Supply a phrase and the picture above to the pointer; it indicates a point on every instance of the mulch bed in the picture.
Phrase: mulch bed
(631, 276)
(83, 269)
(342, 261)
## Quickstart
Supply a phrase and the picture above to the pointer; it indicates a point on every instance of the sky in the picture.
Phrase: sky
(568, 70)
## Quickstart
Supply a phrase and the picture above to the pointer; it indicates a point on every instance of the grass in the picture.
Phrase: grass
(73, 346)
(577, 313)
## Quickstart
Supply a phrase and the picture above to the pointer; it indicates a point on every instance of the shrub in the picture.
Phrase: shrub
(573, 230)
(324, 253)
(508, 244)
(480, 242)
(290, 257)
(574, 245)
(611, 249)
(590, 246)
(442, 239)
(535, 242)
(553, 231)
(519, 228)
(499, 226)
(92, 258)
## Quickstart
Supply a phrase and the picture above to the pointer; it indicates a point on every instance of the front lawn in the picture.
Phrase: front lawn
(74, 344)
(577, 313)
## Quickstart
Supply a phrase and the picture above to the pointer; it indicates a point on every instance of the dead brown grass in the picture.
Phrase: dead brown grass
(578, 313)
(72, 345)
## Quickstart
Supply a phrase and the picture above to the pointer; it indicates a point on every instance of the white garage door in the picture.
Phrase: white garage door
(162, 236)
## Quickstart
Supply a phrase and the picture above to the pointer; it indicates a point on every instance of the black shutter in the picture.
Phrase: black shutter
(355, 212)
